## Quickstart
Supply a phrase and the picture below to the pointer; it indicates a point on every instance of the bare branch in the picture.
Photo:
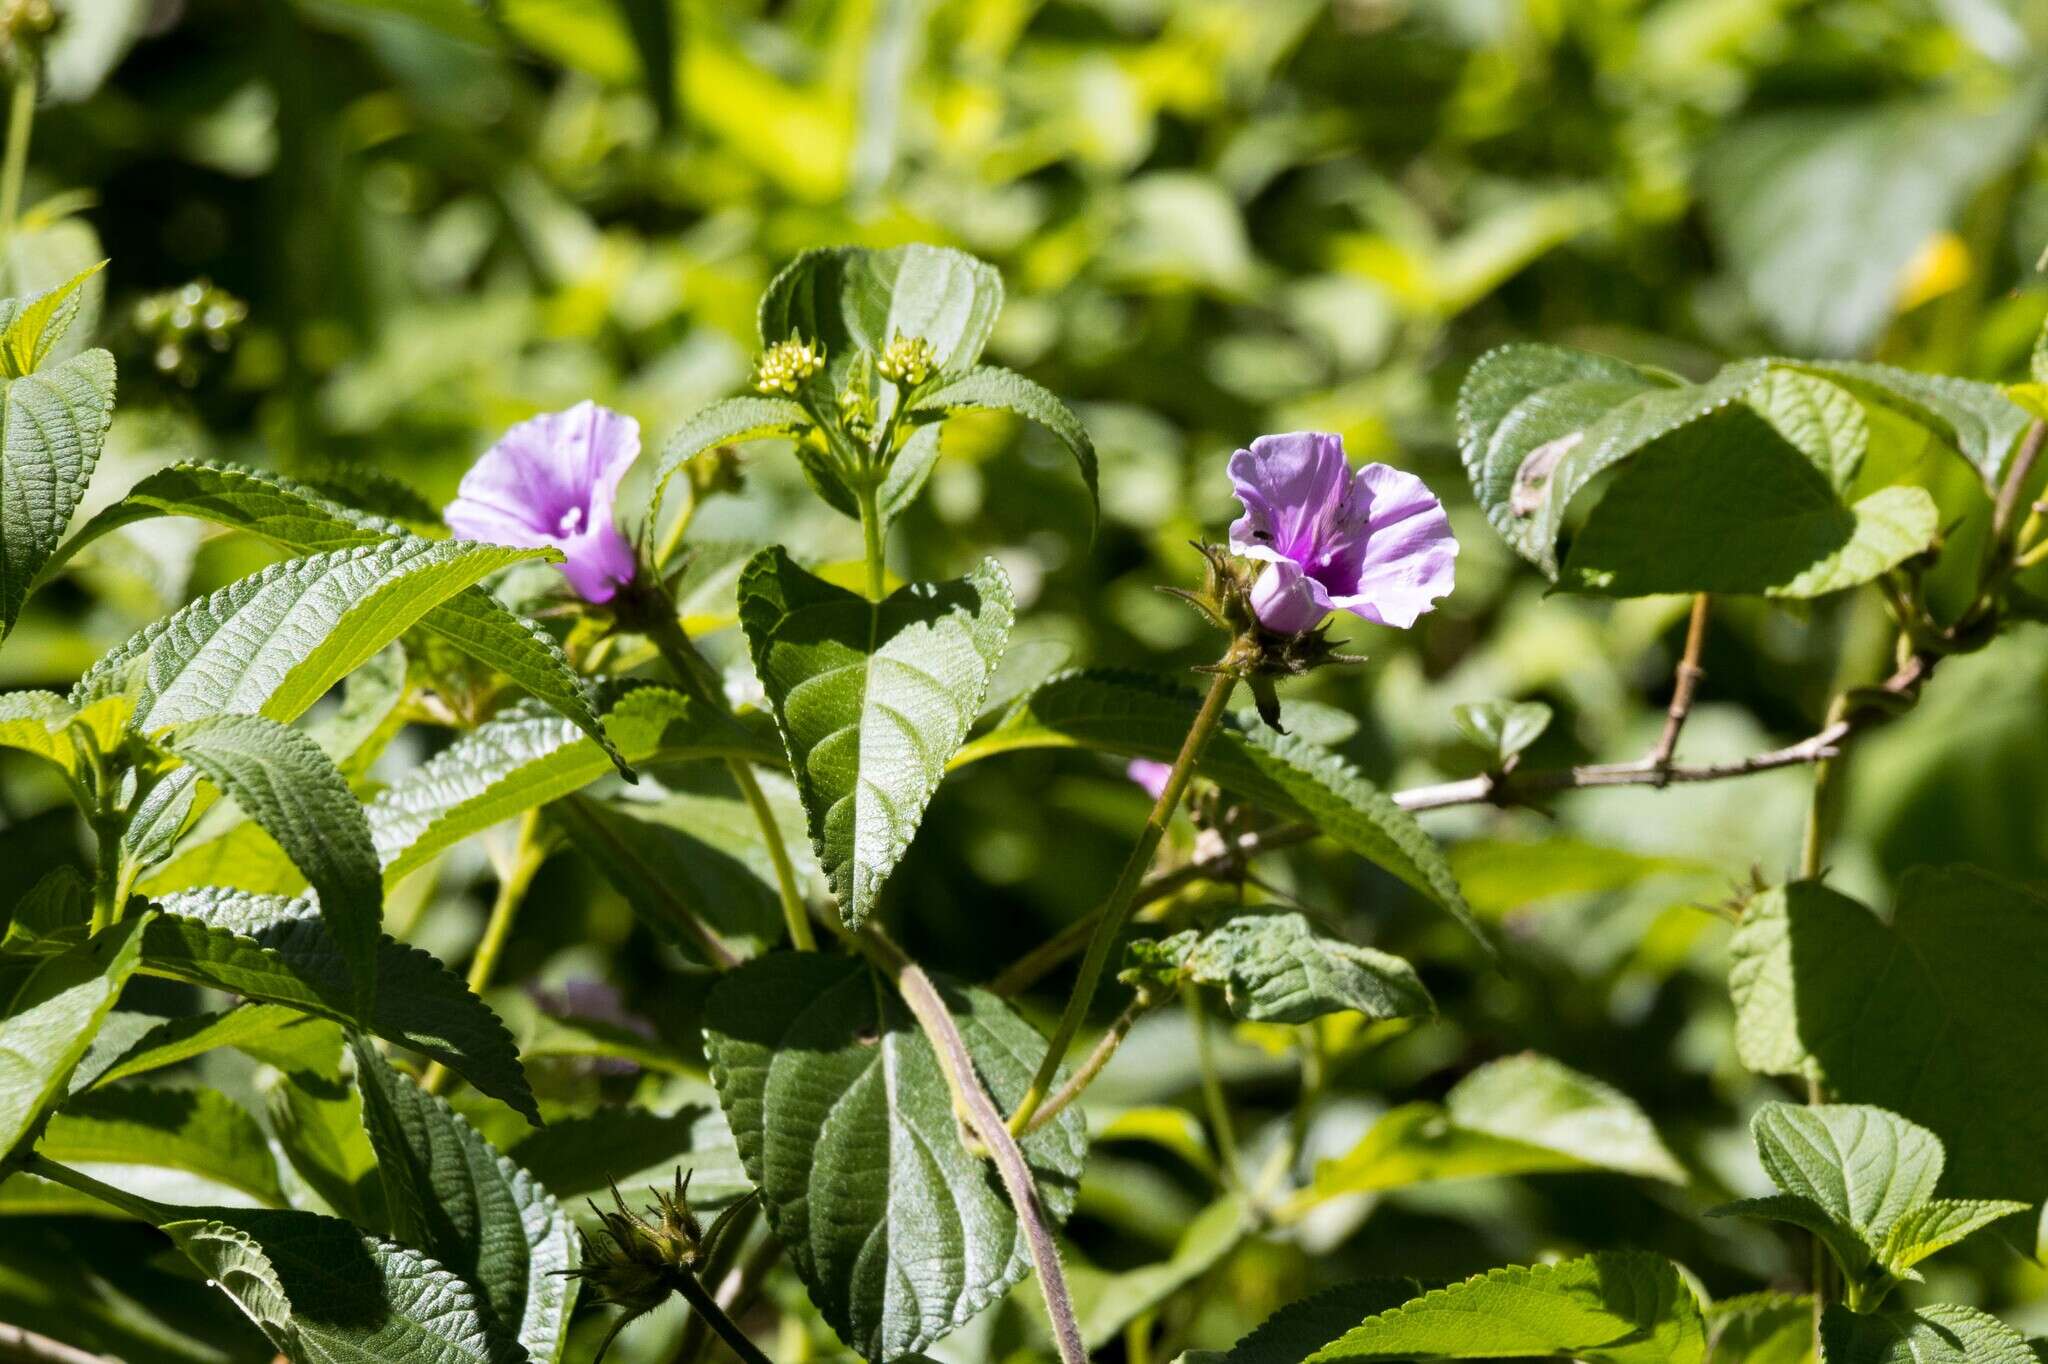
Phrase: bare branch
(21, 1346)
(1683, 684)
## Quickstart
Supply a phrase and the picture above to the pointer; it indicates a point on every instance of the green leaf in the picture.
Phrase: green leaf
(1275, 968)
(1942, 1333)
(872, 699)
(1523, 1114)
(527, 756)
(199, 1131)
(1761, 1328)
(273, 643)
(1936, 1225)
(456, 1198)
(852, 300)
(324, 1293)
(1935, 1015)
(1821, 211)
(692, 867)
(1976, 418)
(727, 423)
(45, 1030)
(1300, 1329)
(1843, 1241)
(1821, 420)
(1866, 1167)
(306, 520)
(990, 388)
(1105, 1303)
(845, 1123)
(624, 1146)
(53, 424)
(1614, 1307)
(282, 781)
(1139, 716)
(169, 1041)
(1502, 729)
(30, 327)
(272, 949)
(56, 911)
(1724, 508)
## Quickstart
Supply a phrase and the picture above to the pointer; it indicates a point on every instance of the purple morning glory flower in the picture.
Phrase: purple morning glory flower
(1375, 543)
(1149, 775)
(552, 481)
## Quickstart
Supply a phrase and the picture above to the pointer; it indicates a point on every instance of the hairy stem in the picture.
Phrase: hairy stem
(1684, 682)
(872, 548)
(1115, 912)
(986, 1120)
(522, 864)
(106, 881)
(706, 1306)
(21, 115)
(1090, 1067)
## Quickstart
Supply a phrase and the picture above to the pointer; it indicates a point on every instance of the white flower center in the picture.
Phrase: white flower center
(571, 522)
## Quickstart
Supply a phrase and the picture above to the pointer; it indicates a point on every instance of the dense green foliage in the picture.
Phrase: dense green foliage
(1640, 961)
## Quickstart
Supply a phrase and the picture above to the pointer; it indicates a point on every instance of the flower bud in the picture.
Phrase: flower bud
(907, 360)
(785, 365)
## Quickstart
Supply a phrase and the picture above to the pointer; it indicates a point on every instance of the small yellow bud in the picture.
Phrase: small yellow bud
(907, 360)
(786, 364)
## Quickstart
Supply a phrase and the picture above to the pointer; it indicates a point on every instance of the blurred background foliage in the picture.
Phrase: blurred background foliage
(351, 237)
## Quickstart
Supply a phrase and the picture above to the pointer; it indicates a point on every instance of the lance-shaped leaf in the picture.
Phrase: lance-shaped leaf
(53, 424)
(199, 1132)
(452, 1195)
(45, 1031)
(267, 948)
(294, 792)
(165, 1042)
(273, 643)
(1300, 1329)
(1139, 716)
(992, 388)
(846, 1125)
(1275, 968)
(872, 699)
(1615, 1307)
(527, 756)
(1941, 1333)
(307, 520)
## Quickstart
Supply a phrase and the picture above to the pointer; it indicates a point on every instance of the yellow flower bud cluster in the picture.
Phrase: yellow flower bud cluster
(907, 360)
(787, 364)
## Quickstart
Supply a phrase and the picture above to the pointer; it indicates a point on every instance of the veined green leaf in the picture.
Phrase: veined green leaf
(30, 327)
(1842, 1240)
(727, 423)
(991, 388)
(169, 1041)
(282, 781)
(1275, 968)
(1936, 1225)
(1976, 418)
(308, 521)
(854, 300)
(271, 949)
(199, 1131)
(871, 698)
(324, 1293)
(627, 1146)
(527, 756)
(1135, 715)
(451, 1194)
(1300, 1329)
(273, 643)
(1502, 729)
(1523, 1114)
(1105, 1303)
(1761, 1328)
(1942, 1333)
(1933, 1015)
(846, 1125)
(45, 1030)
(1865, 1166)
(1615, 1307)
(53, 424)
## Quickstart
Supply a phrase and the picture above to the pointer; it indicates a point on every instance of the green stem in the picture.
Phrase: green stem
(1116, 909)
(1821, 808)
(526, 858)
(694, 671)
(140, 1208)
(106, 882)
(1090, 1067)
(1212, 1087)
(872, 547)
(21, 115)
(706, 1306)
